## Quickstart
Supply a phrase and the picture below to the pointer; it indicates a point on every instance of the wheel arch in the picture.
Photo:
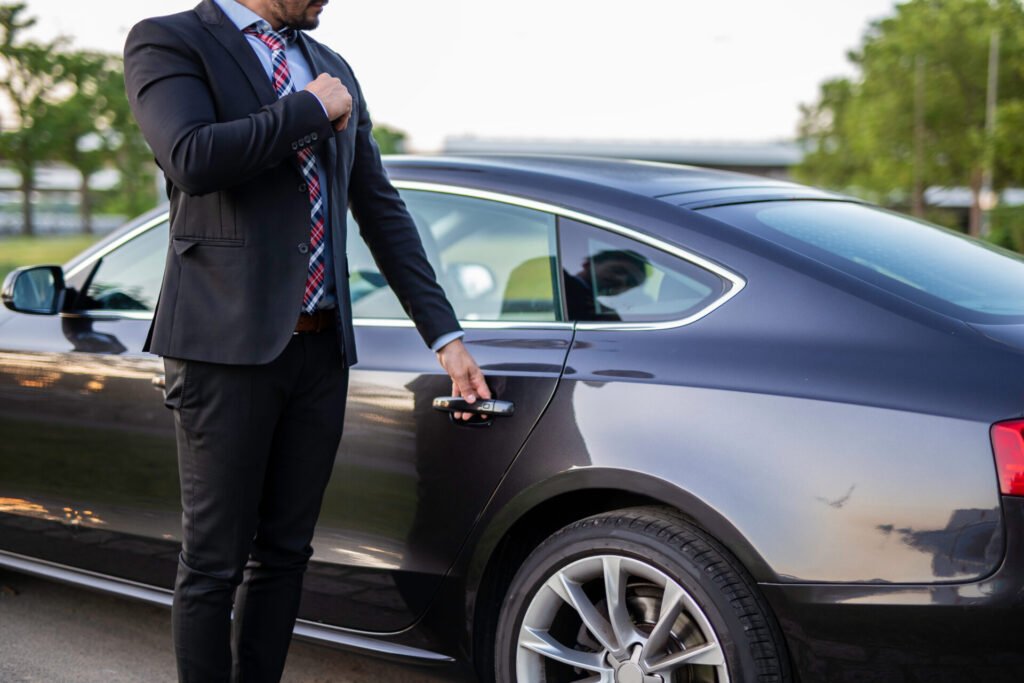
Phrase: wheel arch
(540, 510)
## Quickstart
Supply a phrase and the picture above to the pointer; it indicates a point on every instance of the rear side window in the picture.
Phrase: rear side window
(610, 278)
(935, 267)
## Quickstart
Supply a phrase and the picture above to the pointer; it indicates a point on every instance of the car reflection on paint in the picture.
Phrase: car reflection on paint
(756, 431)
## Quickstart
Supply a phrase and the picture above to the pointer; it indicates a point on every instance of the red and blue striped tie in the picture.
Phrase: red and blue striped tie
(283, 85)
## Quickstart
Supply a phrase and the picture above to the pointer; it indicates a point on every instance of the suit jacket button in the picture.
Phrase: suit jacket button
(308, 139)
(295, 145)
(303, 248)
(314, 136)
(303, 187)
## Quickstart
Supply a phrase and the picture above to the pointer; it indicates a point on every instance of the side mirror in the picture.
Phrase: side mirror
(38, 290)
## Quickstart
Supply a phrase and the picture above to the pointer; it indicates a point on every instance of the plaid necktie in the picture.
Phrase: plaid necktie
(283, 85)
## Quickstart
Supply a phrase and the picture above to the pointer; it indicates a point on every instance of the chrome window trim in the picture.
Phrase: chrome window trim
(737, 283)
(468, 324)
(108, 314)
(361, 641)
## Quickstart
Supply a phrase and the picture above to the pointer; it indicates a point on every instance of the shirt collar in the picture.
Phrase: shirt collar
(243, 17)
(240, 15)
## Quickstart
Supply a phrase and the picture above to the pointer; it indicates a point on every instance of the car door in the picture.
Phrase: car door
(88, 472)
(409, 481)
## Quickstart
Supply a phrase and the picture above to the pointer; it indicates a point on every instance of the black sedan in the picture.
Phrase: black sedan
(747, 431)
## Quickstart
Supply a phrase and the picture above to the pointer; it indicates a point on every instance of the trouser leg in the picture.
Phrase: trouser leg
(300, 461)
(225, 418)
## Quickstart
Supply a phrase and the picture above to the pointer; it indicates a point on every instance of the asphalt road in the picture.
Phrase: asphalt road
(54, 633)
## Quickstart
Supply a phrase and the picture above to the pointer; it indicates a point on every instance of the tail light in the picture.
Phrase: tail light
(1008, 445)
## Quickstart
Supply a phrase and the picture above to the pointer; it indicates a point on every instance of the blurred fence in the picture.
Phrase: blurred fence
(57, 223)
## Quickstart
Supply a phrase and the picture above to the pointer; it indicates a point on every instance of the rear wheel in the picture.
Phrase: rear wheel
(635, 596)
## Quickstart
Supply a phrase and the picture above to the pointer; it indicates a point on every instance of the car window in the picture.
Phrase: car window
(495, 261)
(933, 266)
(608, 277)
(128, 278)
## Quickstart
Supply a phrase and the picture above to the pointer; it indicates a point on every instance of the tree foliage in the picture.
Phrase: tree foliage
(70, 106)
(29, 80)
(390, 140)
(67, 105)
(914, 116)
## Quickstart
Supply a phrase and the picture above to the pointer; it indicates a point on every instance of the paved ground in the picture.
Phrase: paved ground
(54, 633)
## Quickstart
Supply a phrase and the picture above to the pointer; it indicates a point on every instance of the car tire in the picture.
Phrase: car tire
(621, 596)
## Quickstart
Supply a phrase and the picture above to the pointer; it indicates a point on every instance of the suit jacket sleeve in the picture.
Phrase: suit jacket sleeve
(390, 233)
(170, 97)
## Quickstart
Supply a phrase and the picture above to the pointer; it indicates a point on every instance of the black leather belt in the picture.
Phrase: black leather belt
(318, 321)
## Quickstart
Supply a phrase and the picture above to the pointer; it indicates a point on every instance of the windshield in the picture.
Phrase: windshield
(933, 266)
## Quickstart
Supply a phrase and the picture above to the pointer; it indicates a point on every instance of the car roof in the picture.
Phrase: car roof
(691, 186)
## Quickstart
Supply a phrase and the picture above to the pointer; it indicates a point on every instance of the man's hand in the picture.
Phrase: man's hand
(335, 97)
(467, 379)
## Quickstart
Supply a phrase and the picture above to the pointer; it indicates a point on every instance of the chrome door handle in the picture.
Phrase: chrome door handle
(457, 404)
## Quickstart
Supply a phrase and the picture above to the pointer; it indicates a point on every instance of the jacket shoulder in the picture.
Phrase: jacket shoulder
(180, 23)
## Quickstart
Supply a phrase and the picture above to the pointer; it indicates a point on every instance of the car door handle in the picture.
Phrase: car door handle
(159, 382)
(457, 404)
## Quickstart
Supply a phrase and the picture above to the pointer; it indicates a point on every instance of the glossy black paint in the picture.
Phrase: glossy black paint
(913, 633)
(832, 436)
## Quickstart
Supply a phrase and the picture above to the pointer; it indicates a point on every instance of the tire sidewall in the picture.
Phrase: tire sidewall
(579, 542)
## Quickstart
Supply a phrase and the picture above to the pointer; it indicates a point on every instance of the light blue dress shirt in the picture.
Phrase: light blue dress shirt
(301, 73)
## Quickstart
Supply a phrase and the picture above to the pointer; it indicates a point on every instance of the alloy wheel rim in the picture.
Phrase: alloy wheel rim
(616, 619)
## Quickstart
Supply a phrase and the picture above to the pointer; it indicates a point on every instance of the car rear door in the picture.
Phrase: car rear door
(409, 481)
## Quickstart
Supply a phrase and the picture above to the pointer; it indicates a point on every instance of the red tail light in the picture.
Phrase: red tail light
(1008, 444)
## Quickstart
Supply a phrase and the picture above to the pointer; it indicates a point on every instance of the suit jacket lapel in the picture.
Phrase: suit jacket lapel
(237, 46)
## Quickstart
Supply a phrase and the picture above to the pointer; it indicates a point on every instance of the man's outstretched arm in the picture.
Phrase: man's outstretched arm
(390, 233)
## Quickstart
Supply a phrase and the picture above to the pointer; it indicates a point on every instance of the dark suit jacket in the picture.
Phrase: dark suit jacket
(237, 262)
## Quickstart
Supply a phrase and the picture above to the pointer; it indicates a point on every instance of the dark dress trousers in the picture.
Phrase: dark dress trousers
(258, 410)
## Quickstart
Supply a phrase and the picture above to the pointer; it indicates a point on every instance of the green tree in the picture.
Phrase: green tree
(81, 122)
(390, 140)
(29, 82)
(914, 116)
(69, 106)
(95, 129)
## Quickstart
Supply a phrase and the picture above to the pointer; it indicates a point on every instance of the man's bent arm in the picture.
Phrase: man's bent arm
(171, 100)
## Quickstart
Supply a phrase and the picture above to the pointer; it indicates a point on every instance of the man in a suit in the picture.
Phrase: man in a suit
(264, 137)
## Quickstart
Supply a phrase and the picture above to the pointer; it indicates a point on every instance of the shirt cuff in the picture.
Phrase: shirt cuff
(445, 339)
(322, 105)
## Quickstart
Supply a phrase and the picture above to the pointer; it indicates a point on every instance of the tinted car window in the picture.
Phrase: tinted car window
(931, 265)
(608, 277)
(495, 261)
(128, 278)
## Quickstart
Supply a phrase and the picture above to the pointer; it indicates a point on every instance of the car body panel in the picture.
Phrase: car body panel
(913, 633)
(409, 482)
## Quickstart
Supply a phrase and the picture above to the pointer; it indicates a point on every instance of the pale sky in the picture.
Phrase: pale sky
(681, 70)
